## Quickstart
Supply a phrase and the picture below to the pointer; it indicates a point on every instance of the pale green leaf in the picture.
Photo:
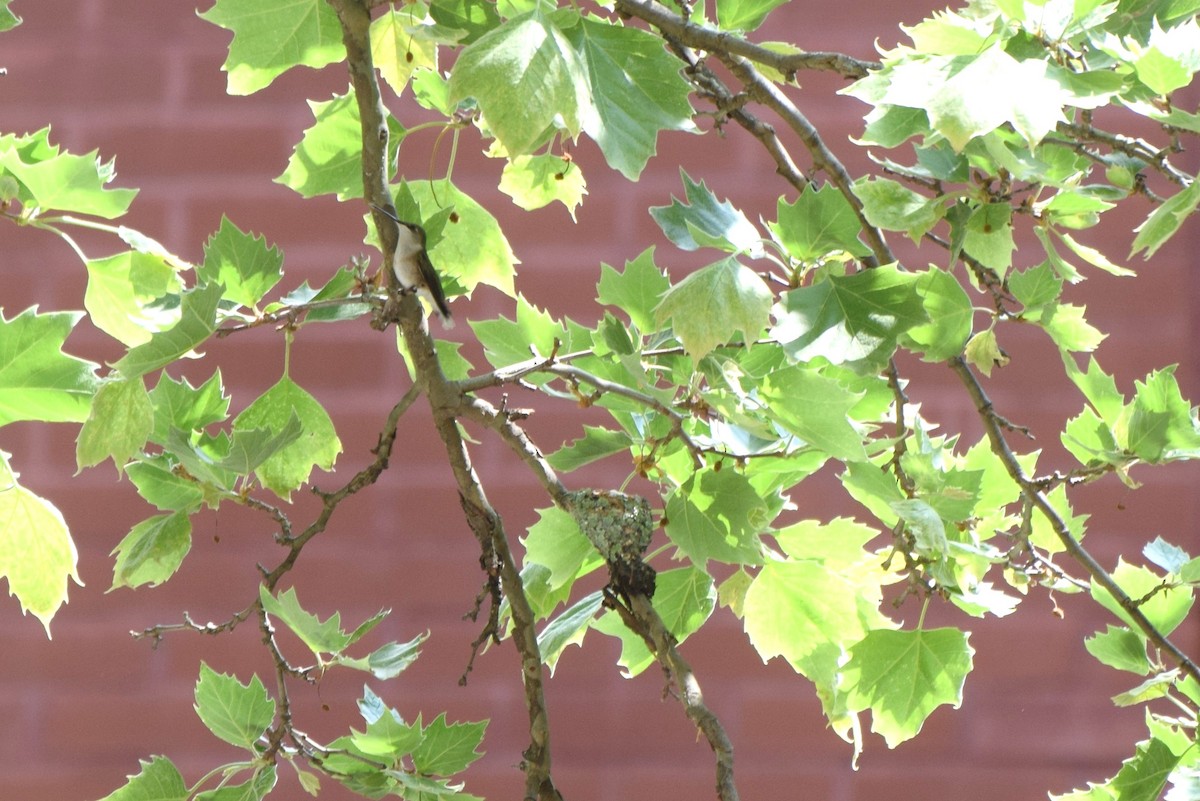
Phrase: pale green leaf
(950, 314)
(403, 41)
(853, 320)
(892, 206)
(317, 446)
(556, 542)
(242, 262)
(536, 181)
(595, 444)
(568, 628)
(815, 408)
(507, 341)
(163, 487)
(197, 322)
(56, 181)
(120, 422)
(236, 713)
(159, 780)
(37, 555)
(270, 38)
(254, 789)
(321, 637)
(713, 304)
(704, 221)
(125, 292)
(744, 15)
(1120, 648)
(152, 551)
(636, 290)
(37, 380)
(1165, 609)
(1165, 220)
(983, 351)
(902, 676)
(177, 404)
(446, 749)
(717, 515)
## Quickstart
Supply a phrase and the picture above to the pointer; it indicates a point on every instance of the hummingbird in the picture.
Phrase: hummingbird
(412, 268)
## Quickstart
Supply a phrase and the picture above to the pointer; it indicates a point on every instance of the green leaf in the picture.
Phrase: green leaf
(507, 341)
(65, 182)
(125, 292)
(684, 598)
(837, 544)
(8, 20)
(928, 530)
(1151, 689)
(255, 789)
(196, 323)
(902, 676)
(242, 262)
(476, 17)
(853, 320)
(595, 444)
(321, 637)
(527, 78)
(446, 749)
(556, 542)
(1143, 777)
(390, 660)
(1162, 426)
(819, 223)
(37, 555)
(1065, 324)
(717, 516)
(635, 91)
(807, 614)
(236, 713)
(636, 290)
(816, 409)
(403, 41)
(950, 316)
(1170, 558)
(568, 628)
(328, 158)
(317, 446)
(37, 380)
(177, 404)
(1120, 648)
(1165, 220)
(744, 15)
(983, 351)
(120, 422)
(713, 304)
(162, 487)
(1036, 286)
(1165, 608)
(989, 236)
(152, 551)
(159, 780)
(892, 206)
(270, 38)
(536, 181)
(704, 221)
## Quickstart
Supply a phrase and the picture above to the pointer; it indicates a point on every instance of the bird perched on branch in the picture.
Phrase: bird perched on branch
(411, 266)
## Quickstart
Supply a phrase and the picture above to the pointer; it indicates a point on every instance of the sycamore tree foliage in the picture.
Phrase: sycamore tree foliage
(722, 392)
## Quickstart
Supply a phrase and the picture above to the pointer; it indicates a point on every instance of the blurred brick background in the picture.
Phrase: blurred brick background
(141, 81)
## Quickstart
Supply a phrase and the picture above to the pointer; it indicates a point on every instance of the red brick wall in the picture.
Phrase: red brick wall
(141, 81)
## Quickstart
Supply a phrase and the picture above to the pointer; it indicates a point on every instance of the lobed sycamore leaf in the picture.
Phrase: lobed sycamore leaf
(152, 551)
(821, 222)
(634, 90)
(855, 320)
(119, 424)
(744, 15)
(595, 444)
(446, 749)
(328, 157)
(8, 20)
(37, 380)
(159, 780)
(237, 713)
(715, 303)
(269, 38)
(129, 295)
(1162, 425)
(37, 554)
(1065, 324)
(474, 17)
(838, 544)
(1170, 558)
(403, 41)
(527, 79)
(344, 286)
(1164, 608)
(536, 181)
(507, 342)
(387, 736)
(984, 352)
(254, 789)
(636, 290)
(928, 530)
(242, 263)
(556, 543)
(179, 405)
(197, 322)
(816, 409)
(1044, 535)
(317, 445)
(1165, 220)
(52, 180)
(321, 637)
(1036, 286)
(704, 221)
(1120, 648)
(902, 676)
(717, 516)
(892, 206)
(388, 661)
(950, 314)
(162, 487)
(988, 236)
(568, 628)
(1143, 776)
